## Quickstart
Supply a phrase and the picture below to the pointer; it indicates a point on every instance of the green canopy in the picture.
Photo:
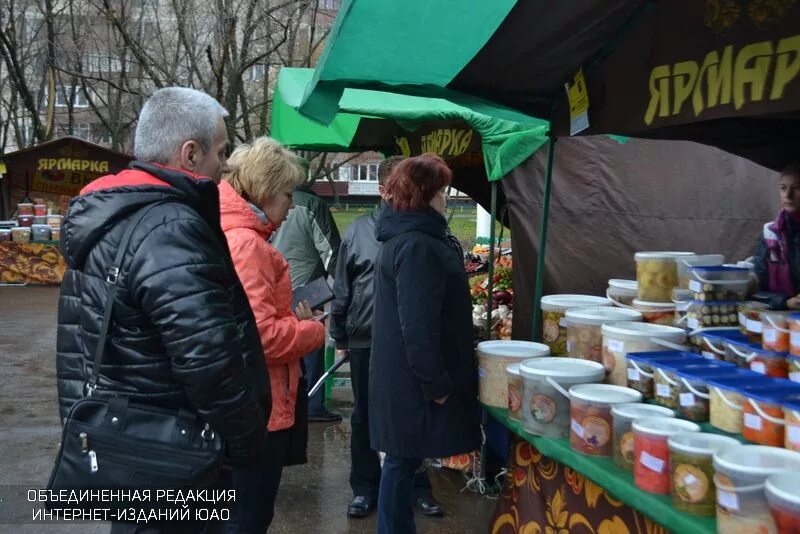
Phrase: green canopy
(505, 143)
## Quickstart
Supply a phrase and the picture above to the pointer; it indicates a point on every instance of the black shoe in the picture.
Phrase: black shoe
(360, 507)
(324, 417)
(429, 507)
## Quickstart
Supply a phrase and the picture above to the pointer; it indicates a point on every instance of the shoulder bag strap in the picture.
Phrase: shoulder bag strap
(112, 275)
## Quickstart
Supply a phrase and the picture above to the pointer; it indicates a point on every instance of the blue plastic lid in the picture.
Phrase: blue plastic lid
(664, 355)
(776, 393)
(743, 382)
(792, 402)
(714, 302)
(706, 372)
(675, 365)
(794, 316)
(729, 334)
(718, 268)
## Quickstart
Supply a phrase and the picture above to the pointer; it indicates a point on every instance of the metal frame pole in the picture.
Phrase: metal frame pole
(537, 294)
(490, 285)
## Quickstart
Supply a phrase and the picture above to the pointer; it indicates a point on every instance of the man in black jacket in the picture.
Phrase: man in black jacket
(182, 333)
(351, 329)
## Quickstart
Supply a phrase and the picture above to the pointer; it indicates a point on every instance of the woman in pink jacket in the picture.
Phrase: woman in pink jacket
(264, 175)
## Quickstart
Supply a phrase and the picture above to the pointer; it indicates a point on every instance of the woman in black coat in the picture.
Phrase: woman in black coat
(423, 382)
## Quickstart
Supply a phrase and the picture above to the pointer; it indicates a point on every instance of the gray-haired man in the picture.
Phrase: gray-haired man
(182, 333)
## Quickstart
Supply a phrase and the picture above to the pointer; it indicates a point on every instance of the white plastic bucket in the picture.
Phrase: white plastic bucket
(591, 424)
(554, 324)
(584, 332)
(692, 470)
(621, 338)
(740, 476)
(622, 292)
(662, 313)
(493, 359)
(783, 495)
(545, 405)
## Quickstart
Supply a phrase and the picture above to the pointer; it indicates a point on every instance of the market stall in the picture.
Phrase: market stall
(613, 203)
(37, 184)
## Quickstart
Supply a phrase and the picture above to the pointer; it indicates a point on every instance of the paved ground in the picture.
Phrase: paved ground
(312, 498)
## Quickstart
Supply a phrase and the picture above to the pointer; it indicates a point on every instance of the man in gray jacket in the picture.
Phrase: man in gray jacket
(309, 240)
(351, 329)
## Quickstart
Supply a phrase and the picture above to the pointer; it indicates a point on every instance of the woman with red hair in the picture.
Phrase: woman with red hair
(423, 384)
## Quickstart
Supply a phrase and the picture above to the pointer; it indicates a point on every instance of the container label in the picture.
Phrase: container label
(577, 428)
(651, 462)
(752, 420)
(742, 319)
(695, 286)
(690, 483)
(794, 434)
(662, 390)
(754, 326)
(728, 500)
(708, 355)
(758, 367)
(794, 338)
(597, 431)
(633, 373)
(693, 323)
(543, 408)
(794, 376)
(562, 322)
(770, 335)
(616, 345)
(687, 399)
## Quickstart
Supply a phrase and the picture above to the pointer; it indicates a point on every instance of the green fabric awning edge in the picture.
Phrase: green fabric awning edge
(505, 143)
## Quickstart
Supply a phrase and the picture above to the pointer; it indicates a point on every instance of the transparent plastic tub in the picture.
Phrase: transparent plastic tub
(651, 467)
(640, 368)
(712, 341)
(782, 491)
(726, 399)
(667, 386)
(545, 404)
(794, 334)
(493, 359)
(693, 394)
(719, 283)
(622, 292)
(741, 473)
(657, 274)
(584, 329)
(763, 420)
(691, 465)
(687, 262)
(619, 339)
(516, 389)
(791, 418)
(701, 314)
(662, 313)
(554, 324)
(623, 416)
(750, 319)
(590, 416)
(775, 331)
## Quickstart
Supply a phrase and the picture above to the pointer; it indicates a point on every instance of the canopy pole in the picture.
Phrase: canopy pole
(537, 294)
(490, 286)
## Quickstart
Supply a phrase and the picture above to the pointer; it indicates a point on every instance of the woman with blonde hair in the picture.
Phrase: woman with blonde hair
(261, 181)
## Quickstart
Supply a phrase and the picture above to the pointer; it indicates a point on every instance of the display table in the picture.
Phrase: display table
(31, 263)
(552, 489)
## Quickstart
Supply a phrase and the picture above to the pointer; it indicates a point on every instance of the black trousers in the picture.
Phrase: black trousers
(365, 467)
(257, 487)
(314, 368)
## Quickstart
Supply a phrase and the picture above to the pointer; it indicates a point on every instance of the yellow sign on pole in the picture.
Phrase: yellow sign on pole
(3, 167)
(578, 97)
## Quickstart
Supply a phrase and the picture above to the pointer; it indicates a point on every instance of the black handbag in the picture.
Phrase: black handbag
(113, 443)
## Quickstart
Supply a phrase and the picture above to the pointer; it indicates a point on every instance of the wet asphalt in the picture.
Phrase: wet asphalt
(312, 498)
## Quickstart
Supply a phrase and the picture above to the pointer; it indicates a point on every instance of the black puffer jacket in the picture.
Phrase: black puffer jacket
(182, 332)
(351, 311)
(422, 342)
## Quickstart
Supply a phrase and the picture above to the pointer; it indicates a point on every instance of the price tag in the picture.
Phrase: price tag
(578, 97)
(693, 323)
(727, 499)
(742, 319)
(651, 462)
(687, 399)
(754, 326)
(758, 367)
(695, 286)
(577, 428)
(616, 345)
(794, 338)
(662, 390)
(771, 335)
(794, 435)
(633, 373)
(753, 421)
(709, 355)
(794, 376)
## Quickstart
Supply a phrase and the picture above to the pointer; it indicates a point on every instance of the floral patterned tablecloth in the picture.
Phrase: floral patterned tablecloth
(31, 263)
